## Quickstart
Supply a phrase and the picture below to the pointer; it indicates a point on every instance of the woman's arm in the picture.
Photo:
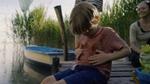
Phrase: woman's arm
(133, 38)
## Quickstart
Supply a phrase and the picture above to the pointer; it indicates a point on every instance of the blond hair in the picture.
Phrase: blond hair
(81, 16)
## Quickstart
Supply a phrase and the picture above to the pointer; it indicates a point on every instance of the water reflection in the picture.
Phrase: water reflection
(13, 69)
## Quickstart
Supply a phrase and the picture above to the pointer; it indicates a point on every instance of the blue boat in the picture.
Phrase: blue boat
(45, 55)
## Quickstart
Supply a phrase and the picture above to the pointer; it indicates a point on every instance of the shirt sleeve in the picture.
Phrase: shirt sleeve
(115, 41)
(132, 34)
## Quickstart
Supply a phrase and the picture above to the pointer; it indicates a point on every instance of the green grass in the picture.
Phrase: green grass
(121, 16)
(34, 28)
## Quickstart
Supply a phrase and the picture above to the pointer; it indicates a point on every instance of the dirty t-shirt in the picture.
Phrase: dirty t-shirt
(106, 40)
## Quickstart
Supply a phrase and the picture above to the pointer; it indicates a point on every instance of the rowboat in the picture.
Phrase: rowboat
(42, 55)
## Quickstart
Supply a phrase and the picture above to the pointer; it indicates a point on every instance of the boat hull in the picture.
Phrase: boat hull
(46, 55)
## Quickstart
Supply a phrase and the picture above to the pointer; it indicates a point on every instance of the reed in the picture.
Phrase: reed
(120, 16)
(34, 28)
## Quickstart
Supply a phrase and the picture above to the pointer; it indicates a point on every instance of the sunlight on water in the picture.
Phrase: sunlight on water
(11, 61)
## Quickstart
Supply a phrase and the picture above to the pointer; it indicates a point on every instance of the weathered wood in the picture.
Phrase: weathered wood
(121, 63)
(121, 71)
(63, 34)
(125, 69)
(121, 80)
(120, 74)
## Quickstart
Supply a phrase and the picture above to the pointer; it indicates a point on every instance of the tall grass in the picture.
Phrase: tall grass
(34, 28)
(120, 16)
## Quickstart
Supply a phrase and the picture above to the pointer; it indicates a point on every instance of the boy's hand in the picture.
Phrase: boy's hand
(99, 58)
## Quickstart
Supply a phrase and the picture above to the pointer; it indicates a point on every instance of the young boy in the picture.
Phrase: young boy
(95, 48)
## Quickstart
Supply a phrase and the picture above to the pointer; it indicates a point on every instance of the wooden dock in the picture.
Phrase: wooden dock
(121, 71)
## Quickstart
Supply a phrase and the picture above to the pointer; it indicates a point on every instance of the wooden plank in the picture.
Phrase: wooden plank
(121, 80)
(122, 67)
(121, 74)
(122, 63)
(125, 69)
(115, 68)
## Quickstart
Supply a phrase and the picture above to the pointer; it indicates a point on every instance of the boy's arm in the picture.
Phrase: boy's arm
(115, 43)
(125, 51)
(103, 57)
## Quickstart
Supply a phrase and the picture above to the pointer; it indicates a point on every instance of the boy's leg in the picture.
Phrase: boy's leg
(52, 80)
(48, 80)
(60, 82)
(58, 76)
(84, 77)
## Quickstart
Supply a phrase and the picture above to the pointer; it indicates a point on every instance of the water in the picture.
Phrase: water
(13, 69)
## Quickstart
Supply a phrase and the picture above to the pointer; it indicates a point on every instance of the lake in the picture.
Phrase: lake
(13, 68)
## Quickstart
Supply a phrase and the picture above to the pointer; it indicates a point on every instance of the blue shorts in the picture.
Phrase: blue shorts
(82, 75)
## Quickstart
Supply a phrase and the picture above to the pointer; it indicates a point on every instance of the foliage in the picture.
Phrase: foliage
(145, 58)
(19, 28)
(145, 49)
(34, 28)
(120, 16)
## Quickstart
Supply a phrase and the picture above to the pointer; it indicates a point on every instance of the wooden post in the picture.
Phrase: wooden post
(55, 65)
(63, 34)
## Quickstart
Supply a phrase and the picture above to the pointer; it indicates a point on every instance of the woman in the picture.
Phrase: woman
(140, 31)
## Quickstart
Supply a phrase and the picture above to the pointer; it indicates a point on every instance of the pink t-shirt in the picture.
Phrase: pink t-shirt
(106, 40)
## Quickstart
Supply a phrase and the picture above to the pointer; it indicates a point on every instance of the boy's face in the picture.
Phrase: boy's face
(95, 19)
(94, 23)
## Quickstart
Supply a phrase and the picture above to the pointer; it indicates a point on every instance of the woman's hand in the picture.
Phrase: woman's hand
(99, 58)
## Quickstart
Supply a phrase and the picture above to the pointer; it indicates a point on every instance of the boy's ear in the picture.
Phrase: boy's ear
(95, 20)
